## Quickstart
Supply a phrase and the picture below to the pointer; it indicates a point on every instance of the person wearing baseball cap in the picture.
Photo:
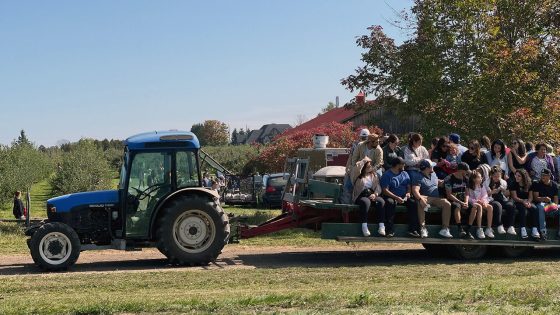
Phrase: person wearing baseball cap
(455, 138)
(395, 184)
(370, 148)
(545, 192)
(425, 189)
(364, 133)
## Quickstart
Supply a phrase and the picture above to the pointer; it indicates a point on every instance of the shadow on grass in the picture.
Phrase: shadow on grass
(304, 259)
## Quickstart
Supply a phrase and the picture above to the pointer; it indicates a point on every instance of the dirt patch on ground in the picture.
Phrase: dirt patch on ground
(232, 257)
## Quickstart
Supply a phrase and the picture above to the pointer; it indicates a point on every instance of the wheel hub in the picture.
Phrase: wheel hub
(55, 248)
(193, 231)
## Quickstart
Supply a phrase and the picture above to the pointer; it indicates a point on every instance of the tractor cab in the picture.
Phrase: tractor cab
(160, 202)
(154, 166)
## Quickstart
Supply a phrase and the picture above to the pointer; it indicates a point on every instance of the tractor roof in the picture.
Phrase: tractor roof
(163, 139)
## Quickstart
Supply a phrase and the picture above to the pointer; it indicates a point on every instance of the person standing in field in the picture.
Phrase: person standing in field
(19, 209)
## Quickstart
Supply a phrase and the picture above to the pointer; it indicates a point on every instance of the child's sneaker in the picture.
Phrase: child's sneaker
(535, 233)
(524, 233)
(423, 232)
(511, 231)
(480, 233)
(489, 233)
(445, 233)
(365, 230)
(501, 229)
(381, 230)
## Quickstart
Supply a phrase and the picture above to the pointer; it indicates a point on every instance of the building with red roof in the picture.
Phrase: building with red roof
(339, 114)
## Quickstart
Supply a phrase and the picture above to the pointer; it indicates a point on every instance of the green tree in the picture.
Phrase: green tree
(211, 133)
(233, 158)
(469, 66)
(22, 139)
(83, 168)
(234, 137)
(330, 106)
(21, 165)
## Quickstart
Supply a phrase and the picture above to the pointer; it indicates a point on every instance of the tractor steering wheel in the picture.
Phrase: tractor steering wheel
(142, 194)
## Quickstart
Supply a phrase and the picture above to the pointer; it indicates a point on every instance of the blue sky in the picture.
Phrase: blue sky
(110, 69)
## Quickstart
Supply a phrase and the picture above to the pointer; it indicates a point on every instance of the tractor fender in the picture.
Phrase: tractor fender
(32, 229)
(210, 194)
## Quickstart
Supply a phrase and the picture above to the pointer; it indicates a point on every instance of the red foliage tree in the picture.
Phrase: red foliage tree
(273, 156)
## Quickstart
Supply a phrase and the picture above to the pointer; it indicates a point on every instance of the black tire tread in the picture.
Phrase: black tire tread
(165, 243)
(54, 227)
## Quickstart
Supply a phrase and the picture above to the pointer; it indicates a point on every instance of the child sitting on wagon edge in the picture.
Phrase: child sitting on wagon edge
(478, 197)
(455, 189)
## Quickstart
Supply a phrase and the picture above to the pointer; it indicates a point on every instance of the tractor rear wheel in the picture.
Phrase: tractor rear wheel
(193, 230)
(55, 246)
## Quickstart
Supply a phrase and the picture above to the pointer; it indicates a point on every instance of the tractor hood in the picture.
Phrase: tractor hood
(67, 202)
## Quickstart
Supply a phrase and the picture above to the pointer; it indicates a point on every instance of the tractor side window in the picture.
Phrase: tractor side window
(122, 179)
(150, 180)
(187, 170)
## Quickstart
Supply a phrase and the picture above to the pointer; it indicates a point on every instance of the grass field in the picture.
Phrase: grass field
(411, 285)
(497, 287)
(39, 194)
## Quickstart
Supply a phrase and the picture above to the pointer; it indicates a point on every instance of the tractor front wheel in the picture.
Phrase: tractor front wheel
(55, 246)
(192, 231)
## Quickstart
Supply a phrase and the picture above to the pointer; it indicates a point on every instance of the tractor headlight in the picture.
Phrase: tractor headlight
(51, 208)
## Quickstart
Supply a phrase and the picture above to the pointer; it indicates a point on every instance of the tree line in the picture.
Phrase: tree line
(79, 166)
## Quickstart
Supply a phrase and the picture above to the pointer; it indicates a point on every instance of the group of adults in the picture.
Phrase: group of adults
(505, 185)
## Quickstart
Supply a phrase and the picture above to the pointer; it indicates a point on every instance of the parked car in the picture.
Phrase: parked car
(273, 187)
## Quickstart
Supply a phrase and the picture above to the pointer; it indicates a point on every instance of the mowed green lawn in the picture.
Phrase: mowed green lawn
(495, 287)
(417, 284)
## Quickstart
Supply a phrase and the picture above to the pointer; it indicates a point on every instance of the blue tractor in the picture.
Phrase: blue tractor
(159, 202)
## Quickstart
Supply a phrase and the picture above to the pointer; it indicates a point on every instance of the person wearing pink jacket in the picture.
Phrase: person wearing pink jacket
(478, 197)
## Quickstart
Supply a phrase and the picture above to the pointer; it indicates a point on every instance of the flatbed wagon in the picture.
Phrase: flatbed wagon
(315, 204)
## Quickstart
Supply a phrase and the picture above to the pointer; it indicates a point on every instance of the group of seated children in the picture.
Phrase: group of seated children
(499, 185)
